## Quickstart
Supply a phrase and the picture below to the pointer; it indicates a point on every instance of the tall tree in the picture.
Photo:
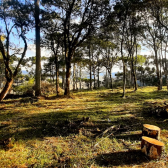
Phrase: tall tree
(79, 19)
(38, 52)
(15, 21)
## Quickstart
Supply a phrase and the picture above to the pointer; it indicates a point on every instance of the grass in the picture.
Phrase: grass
(49, 133)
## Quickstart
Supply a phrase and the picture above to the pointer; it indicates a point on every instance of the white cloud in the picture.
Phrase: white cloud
(31, 51)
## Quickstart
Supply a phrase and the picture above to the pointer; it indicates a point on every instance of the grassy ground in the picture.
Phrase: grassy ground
(50, 133)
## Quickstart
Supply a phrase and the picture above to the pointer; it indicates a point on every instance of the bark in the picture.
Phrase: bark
(134, 76)
(80, 77)
(38, 53)
(151, 131)
(157, 68)
(63, 78)
(76, 81)
(111, 80)
(68, 74)
(68, 59)
(94, 79)
(57, 75)
(98, 80)
(151, 147)
(166, 67)
(90, 68)
(6, 89)
(124, 79)
(74, 69)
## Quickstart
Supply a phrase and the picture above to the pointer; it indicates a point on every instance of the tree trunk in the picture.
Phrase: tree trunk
(57, 76)
(111, 80)
(6, 89)
(151, 131)
(68, 72)
(38, 53)
(67, 84)
(94, 79)
(98, 80)
(80, 77)
(166, 67)
(76, 81)
(124, 79)
(151, 147)
(134, 76)
(157, 68)
(63, 77)
(90, 68)
(74, 69)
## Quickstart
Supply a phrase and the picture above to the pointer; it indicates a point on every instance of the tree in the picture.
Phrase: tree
(153, 38)
(38, 52)
(15, 18)
(79, 19)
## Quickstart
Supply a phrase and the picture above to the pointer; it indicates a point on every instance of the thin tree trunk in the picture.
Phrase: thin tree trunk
(68, 74)
(166, 67)
(111, 80)
(80, 77)
(76, 81)
(90, 68)
(98, 80)
(94, 78)
(157, 69)
(63, 77)
(74, 69)
(6, 88)
(57, 76)
(124, 79)
(134, 76)
(38, 53)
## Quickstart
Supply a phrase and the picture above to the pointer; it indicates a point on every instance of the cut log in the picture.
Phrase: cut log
(151, 147)
(151, 131)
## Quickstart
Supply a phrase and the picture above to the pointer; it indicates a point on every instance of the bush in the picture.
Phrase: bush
(22, 89)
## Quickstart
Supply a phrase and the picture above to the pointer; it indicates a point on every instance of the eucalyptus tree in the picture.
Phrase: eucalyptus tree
(38, 51)
(15, 19)
(108, 50)
(153, 38)
(119, 23)
(53, 40)
(158, 9)
(78, 19)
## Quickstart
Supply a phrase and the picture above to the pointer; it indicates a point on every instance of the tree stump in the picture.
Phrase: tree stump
(151, 131)
(151, 147)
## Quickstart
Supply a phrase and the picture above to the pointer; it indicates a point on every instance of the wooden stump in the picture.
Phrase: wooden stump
(151, 131)
(151, 147)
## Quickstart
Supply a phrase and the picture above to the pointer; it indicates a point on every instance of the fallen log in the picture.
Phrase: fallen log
(151, 147)
(151, 131)
(112, 128)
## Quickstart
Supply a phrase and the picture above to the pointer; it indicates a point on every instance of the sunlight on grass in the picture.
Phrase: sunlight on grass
(64, 131)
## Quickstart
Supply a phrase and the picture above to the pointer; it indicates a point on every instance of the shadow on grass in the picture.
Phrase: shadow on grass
(121, 158)
(62, 124)
(57, 123)
(131, 137)
(133, 96)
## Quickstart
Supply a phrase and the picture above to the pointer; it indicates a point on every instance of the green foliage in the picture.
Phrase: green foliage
(141, 59)
(25, 86)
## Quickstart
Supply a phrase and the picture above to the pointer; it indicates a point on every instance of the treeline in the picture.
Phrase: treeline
(85, 35)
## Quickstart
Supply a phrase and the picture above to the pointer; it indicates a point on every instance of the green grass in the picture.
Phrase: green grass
(48, 134)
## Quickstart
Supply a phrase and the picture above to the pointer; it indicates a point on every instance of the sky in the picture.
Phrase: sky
(44, 52)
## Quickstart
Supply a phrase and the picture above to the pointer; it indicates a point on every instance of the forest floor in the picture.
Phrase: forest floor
(73, 132)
